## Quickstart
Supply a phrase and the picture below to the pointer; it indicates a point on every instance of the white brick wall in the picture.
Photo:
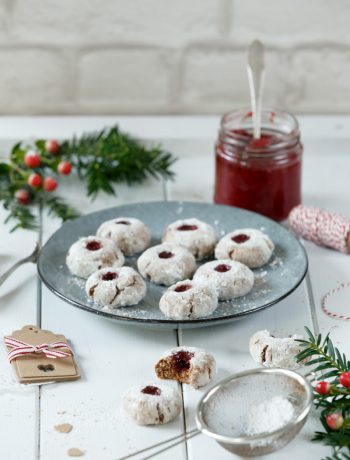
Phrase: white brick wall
(163, 56)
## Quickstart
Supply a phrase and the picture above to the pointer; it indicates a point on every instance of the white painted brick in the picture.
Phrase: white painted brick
(319, 81)
(216, 80)
(125, 78)
(284, 22)
(91, 21)
(32, 81)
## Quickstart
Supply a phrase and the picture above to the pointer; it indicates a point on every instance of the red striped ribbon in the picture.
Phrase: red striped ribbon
(50, 350)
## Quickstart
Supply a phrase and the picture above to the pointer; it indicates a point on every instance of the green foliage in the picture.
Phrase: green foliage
(330, 362)
(101, 160)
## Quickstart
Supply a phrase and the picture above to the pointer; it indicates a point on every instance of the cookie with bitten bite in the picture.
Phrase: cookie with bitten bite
(189, 365)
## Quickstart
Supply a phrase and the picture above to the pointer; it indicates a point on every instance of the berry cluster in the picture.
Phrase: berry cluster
(39, 170)
(335, 420)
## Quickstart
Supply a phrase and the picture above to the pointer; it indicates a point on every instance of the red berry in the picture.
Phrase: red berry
(32, 159)
(323, 388)
(35, 180)
(344, 379)
(52, 146)
(64, 168)
(50, 183)
(22, 196)
(334, 421)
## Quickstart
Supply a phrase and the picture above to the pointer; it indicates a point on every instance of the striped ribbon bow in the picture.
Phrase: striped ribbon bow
(50, 350)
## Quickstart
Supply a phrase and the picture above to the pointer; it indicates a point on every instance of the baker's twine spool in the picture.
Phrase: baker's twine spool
(323, 228)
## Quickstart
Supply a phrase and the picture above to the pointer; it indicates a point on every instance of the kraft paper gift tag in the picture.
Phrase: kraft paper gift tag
(37, 367)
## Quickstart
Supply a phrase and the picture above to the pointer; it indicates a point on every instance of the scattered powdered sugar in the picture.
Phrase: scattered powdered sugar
(268, 416)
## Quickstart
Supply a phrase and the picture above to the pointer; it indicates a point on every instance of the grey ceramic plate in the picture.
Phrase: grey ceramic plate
(274, 281)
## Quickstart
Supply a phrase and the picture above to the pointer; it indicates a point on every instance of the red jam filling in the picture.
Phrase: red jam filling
(222, 268)
(165, 255)
(183, 288)
(241, 238)
(181, 360)
(186, 228)
(93, 245)
(109, 276)
(268, 182)
(123, 222)
(149, 390)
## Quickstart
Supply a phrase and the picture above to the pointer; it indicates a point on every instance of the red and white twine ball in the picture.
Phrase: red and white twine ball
(325, 229)
(322, 227)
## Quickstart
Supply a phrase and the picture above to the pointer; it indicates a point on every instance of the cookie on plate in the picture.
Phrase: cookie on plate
(151, 404)
(166, 264)
(189, 299)
(195, 235)
(116, 287)
(248, 245)
(187, 365)
(232, 279)
(91, 253)
(131, 235)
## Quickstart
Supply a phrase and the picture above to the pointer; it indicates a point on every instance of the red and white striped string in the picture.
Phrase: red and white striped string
(322, 227)
(325, 301)
(50, 350)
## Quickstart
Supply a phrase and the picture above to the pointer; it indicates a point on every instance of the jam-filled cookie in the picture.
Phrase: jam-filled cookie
(187, 365)
(232, 279)
(151, 404)
(189, 299)
(92, 253)
(116, 287)
(249, 246)
(166, 264)
(131, 235)
(197, 236)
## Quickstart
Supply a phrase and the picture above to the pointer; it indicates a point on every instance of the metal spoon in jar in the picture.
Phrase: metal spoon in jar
(256, 73)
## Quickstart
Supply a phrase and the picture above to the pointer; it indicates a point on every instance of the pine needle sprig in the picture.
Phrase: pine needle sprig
(331, 363)
(100, 159)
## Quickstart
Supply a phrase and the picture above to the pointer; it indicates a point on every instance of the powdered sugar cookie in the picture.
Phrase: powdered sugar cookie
(187, 365)
(232, 279)
(117, 287)
(166, 264)
(197, 236)
(152, 404)
(130, 235)
(189, 299)
(249, 246)
(91, 253)
(270, 351)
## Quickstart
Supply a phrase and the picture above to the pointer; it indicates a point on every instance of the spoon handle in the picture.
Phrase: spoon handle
(256, 72)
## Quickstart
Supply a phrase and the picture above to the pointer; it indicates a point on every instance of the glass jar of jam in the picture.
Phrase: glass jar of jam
(262, 175)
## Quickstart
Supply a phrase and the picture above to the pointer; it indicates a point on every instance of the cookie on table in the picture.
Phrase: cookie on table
(152, 404)
(195, 235)
(271, 351)
(188, 365)
(131, 235)
(116, 287)
(92, 253)
(231, 279)
(189, 299)
(166, 264)
(250, 246)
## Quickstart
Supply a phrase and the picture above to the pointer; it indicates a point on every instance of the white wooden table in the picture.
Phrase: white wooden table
(113, 357)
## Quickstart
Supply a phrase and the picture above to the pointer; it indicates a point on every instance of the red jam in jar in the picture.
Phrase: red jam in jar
(262, 175)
